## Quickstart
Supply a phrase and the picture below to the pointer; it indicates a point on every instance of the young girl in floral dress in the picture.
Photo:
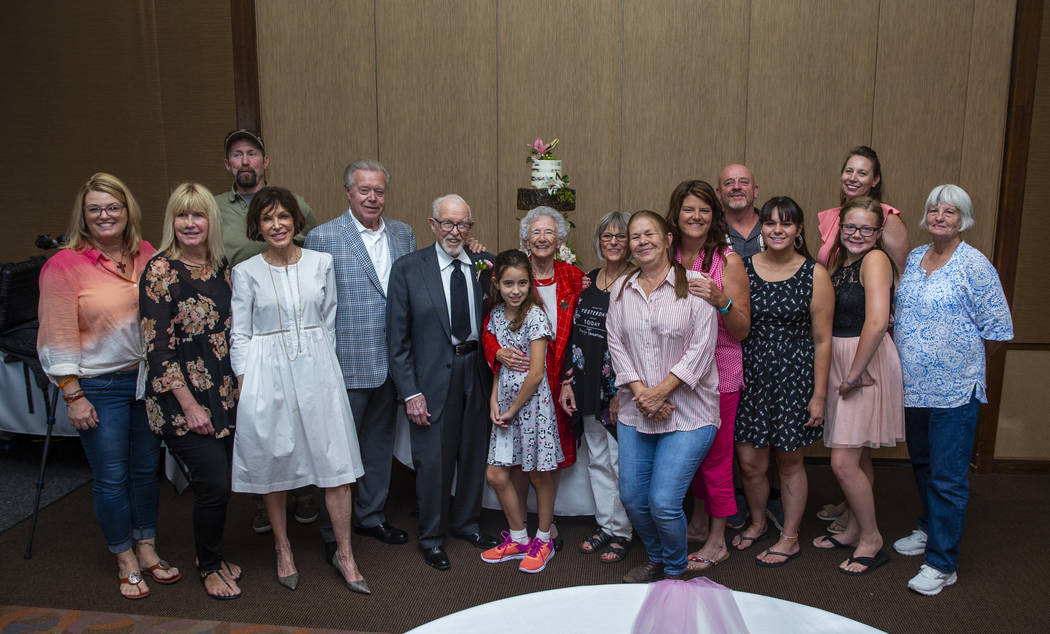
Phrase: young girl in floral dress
(524, 426)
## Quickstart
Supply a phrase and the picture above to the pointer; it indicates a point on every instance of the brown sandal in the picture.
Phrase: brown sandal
(134, 579)
(160, 565)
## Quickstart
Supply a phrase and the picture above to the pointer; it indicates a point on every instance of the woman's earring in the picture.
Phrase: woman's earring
(798, 241)
(761, 243)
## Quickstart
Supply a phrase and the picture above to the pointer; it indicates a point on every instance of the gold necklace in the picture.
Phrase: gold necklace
(280, 320)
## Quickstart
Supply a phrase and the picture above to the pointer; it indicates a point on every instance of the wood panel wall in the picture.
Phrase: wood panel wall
(139, 88)
(1031, 299)
(1022, 430)
(642, 95)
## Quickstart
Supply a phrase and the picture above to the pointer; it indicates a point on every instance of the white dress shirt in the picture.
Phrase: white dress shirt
(378, 249)
(445, 264)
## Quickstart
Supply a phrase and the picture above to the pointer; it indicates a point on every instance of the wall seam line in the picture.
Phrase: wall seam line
(375, 67)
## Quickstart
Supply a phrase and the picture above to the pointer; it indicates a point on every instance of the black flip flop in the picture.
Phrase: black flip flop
(872, 563)
(830, 537)
(741, 547)
(207, 573)
(777, 553)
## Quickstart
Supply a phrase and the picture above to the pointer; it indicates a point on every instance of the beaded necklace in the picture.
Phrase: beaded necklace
(299, 318)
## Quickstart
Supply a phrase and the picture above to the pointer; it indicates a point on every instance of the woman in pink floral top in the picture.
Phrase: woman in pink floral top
(191, 391)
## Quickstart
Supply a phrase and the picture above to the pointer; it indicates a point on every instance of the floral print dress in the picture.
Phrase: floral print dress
(531, 440)
(185, 313)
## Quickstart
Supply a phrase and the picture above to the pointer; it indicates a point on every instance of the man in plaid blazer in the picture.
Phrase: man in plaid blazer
(364, 246)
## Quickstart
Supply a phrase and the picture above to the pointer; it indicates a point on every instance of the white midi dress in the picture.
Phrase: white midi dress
(294, 424)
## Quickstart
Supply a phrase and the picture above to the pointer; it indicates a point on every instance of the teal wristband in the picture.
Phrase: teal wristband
(725, 309)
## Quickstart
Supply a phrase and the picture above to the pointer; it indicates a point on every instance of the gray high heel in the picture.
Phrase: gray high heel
(360, 587)
(290, 582)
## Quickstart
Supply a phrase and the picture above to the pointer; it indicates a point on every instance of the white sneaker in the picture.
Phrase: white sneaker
(914, 544)
(931, 581)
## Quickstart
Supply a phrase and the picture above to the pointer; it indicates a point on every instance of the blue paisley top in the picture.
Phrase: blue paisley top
(941, 322)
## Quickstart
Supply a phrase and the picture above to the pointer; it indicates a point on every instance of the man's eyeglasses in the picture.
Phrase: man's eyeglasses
(448, 225)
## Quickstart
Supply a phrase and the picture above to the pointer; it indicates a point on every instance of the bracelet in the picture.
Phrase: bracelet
(853, 384)
(69, 398)
(727, 306)
(68, 380)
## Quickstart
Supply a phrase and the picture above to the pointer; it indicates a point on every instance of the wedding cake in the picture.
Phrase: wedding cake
(548, 186)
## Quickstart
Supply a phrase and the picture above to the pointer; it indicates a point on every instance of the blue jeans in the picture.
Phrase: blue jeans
(123, 453)
(940, 443)
(655, 472)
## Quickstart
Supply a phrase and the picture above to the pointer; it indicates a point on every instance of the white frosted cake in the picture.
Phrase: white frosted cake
(544, 172)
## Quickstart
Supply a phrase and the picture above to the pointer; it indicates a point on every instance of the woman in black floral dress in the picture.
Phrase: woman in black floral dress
(191, 391)
(787, 355)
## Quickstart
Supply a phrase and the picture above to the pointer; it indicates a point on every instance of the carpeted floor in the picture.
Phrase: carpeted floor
(1001, 584)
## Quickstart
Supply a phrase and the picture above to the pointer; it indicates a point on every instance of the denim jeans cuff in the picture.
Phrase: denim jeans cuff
(138, 534)
(122, 547)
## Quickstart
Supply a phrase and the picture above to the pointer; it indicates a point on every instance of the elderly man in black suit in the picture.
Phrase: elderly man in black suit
(434, 314)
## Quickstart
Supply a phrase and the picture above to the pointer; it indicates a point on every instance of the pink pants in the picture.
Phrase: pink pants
(713, 481)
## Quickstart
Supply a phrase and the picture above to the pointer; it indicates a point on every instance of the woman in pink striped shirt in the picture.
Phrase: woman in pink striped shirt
(662, 346)
(699, 228)
(90, 344)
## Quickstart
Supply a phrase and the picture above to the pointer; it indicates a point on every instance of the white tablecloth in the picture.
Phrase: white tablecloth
(611, 609)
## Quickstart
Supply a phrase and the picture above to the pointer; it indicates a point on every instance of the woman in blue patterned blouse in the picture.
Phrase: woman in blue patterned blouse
(951, 313)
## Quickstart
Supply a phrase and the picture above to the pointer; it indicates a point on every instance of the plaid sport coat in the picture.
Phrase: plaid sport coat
(360, 319)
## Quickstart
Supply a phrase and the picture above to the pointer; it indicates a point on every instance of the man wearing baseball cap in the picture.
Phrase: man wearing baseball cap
(246, 160)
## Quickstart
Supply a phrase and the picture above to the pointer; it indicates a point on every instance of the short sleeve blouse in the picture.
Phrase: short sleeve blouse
(941, 322)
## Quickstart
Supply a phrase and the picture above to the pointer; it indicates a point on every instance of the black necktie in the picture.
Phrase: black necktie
(460, 303)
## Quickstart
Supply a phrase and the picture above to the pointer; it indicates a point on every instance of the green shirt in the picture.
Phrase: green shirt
(233, 210)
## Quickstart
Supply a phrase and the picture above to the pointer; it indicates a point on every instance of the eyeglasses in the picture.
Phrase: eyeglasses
(112, 210)
(613, 237)
(867, 232)
(537, 233)
(448, 225)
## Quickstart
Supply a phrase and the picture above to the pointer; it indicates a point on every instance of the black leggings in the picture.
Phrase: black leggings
(207, 459)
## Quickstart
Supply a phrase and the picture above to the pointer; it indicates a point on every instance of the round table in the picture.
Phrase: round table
(610, 609)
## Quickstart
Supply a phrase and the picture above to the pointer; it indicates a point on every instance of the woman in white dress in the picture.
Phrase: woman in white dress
(294, 424)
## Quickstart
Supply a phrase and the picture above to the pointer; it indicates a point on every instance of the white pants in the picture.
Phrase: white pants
(603, 455)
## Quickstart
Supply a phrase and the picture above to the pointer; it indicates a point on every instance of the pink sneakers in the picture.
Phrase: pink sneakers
(540, 552)
(506, 551)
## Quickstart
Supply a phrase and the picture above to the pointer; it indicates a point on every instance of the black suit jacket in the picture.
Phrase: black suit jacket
(418, 331)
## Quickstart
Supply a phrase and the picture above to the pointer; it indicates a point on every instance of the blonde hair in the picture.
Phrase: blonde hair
(78, 237)
(192, 197)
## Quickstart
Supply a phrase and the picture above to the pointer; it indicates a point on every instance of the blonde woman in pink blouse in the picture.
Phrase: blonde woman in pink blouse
(90, 344)
(662, 346)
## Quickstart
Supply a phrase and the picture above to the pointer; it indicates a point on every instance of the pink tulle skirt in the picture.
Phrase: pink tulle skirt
(871, 415)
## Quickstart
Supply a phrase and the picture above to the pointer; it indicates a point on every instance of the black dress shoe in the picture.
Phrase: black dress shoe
(478, 539)
(383, 532)
(436, 558)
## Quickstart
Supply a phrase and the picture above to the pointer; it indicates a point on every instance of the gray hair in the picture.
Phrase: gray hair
(364, 165)
(436, 205)
(950, 195)
(534, 214)
(618, 218)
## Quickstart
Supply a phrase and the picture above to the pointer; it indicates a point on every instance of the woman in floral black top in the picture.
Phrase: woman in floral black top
(191, 391)
(589, 391)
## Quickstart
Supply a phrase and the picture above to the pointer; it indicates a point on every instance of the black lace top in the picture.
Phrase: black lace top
(849, 300)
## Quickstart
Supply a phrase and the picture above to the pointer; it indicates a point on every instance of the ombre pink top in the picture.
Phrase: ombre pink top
(829, 226)
(89, 313)
(651, 337)
(728, 356)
